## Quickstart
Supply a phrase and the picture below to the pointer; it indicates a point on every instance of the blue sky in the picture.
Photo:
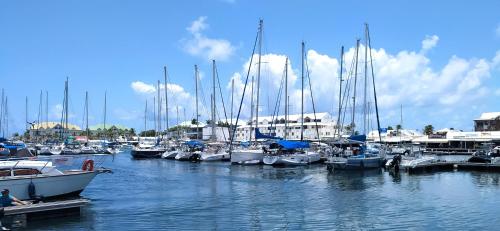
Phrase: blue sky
(439, 59)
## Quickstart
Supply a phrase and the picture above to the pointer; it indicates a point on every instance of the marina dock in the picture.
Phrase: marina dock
(448, 166)
(18, 216)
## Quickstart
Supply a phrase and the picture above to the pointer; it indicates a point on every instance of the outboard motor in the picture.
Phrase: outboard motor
(396, 160)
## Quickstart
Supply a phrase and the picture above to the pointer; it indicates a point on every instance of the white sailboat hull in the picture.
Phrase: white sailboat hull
(215, 156)
(71, 183)
(292, 159)
(251, 156)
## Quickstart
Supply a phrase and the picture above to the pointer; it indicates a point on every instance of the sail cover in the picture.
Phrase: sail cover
(288, 144)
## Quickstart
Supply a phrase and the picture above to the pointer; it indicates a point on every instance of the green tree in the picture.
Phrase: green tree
(428, 129)
(389, 128)
(132, 132)
(194, 121)
(399, 127)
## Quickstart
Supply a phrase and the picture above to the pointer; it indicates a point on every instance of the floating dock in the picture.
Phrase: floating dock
(18, 216)
(460, 166)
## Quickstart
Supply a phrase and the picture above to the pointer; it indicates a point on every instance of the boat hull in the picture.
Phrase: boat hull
(146, 154)
(247, 156)
(71, 183)
(356, 163)
(215, 156)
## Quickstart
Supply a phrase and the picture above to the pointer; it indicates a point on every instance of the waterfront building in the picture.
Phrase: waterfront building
(488, 121)
(53, 129)
(322, 123)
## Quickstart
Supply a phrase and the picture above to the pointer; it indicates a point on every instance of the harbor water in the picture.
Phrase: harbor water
(171, 195)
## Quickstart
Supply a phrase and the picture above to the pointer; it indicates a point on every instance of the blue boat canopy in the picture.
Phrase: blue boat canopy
(259, 135)
(194, 143)
(288, 144)
(360, 138)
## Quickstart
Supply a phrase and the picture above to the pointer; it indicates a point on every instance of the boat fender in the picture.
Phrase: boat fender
(31, 190)
(88, 165)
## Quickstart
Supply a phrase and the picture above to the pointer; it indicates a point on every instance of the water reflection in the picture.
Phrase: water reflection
(166, 194)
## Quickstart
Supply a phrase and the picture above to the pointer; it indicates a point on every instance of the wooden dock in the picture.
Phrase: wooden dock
(478, 167)
(449, 166)
(18, 216)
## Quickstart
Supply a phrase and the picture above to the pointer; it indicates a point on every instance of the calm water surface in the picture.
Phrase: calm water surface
(166, 194)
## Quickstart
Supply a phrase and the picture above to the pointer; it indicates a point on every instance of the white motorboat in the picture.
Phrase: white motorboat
(145, 150)
(170, 154)
(407, 162)
(188, 155)
(88, 150)
(247, 156)
(28, 179)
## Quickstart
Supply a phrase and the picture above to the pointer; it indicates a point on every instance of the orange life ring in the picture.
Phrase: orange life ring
(88, 165)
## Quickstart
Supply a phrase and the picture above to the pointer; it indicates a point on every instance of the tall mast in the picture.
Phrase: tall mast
(26, 110)
(87, 113)
(66, 108)
(286, 97)
(232, 100)
(177, 110)
(302, 97)
(261, 24)
(213, 100)
(47, 107)
(1, 112)
(340, 88)
(373, 81)
(196, 88)
(251, 111)
(39, 116)
(6, 117)
(154, 115)
(166, 99)
(365, 103)
(145, 118)
(159, 109)
(105, 105)
(355, 83)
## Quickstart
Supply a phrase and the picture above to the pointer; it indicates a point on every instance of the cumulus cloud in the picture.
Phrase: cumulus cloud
(402, 78)
(429, 42)
(204, 47)
(177, 97)
(142, 88)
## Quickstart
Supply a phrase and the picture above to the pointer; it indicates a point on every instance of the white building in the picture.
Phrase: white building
(221, 133)
(322, 123)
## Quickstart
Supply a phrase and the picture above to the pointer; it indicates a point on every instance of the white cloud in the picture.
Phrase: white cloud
(403, 78)
(177, 97)
(142, 88)
(202, 46)
(429, 42)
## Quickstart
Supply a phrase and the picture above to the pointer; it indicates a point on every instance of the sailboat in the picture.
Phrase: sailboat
(288, 152)
(356, 152)
(147, 148)
(253, 154)
(191, 150)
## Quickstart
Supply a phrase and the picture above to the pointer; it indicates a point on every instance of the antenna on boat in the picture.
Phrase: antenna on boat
(261, 27)
(196, 88)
